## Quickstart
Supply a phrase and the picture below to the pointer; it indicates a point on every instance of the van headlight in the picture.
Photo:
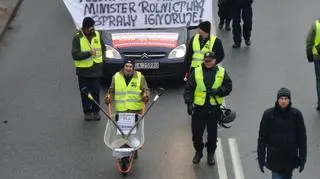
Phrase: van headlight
(178, 52)
(112, 53)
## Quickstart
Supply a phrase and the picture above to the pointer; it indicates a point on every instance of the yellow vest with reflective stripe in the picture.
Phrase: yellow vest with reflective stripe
(128, 97)
(85, 47)
(197, 57)
(316, 39)
(200, 91)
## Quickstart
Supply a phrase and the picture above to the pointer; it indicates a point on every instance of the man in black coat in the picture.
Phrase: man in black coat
(206, 82)
(282, 138)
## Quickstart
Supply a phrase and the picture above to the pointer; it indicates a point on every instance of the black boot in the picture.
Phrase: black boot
(96, 116)
(197, 157)
(228, 25)
(248, 42)
(236, 45)
(88, 116)
(210, 159)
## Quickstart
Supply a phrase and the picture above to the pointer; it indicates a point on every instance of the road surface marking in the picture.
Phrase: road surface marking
(237, 167)
(222, 171)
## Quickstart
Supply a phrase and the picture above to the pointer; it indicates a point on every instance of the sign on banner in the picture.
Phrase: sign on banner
(136, 14)
(120, 40)
(126, 121)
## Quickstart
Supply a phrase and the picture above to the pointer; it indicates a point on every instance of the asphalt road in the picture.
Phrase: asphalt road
(45, 136)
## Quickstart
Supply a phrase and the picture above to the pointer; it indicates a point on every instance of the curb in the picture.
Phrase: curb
(9, 18)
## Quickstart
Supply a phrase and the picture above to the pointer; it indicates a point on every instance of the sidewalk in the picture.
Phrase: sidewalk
(7, 11)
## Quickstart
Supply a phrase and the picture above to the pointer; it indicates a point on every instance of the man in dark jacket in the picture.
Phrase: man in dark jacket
(313, 53)
(200, 43)
(88, 52)
(241, 8)
(282, 135)
(204, 93)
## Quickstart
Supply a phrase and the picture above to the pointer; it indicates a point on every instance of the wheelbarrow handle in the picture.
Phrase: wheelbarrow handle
(88, 94)
(152, 103)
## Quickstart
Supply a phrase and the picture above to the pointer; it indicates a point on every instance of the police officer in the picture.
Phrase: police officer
(207, 85)
(241, 8)
(200, 43)
(313, 53)
(129, 89)
(88, 52)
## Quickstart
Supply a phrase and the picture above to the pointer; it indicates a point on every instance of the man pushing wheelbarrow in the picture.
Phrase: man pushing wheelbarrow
(124, 133)
(130, 93)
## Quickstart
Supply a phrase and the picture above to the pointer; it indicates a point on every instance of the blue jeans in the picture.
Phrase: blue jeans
(281, 176)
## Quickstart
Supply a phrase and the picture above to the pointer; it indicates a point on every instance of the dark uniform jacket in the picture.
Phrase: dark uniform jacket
(97, 69)
(282, 135)
(208, 78)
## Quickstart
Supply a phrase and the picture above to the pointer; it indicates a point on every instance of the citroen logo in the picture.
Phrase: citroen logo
(144, 56)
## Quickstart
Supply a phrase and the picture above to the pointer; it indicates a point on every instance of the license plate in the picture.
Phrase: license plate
(147, 65)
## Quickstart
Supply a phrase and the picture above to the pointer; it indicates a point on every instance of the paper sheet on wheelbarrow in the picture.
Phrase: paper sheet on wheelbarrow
(122, 152)
(126, 122)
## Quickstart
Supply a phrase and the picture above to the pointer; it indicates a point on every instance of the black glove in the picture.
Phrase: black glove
(190, 108)
(262, 163)
(302, 162)
(310, 58)
(213, 92)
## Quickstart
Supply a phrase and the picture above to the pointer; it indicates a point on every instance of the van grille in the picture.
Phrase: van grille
(144, 55)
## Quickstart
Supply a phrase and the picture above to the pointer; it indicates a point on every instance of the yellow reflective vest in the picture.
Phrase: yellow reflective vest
(128, 97)
(316, 39)
(197, 57)
(200, 91)
(85, 47)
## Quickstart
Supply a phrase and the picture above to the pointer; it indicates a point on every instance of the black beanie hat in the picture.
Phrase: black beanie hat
(88, 22)
(205, 26)
(284, 92)
(128, 61)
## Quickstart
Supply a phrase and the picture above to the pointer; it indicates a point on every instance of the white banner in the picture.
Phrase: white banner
(134, 14)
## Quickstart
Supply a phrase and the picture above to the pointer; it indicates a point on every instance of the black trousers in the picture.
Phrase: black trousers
(201, 119)
(224, 11)
(93, 85)
(244, 12)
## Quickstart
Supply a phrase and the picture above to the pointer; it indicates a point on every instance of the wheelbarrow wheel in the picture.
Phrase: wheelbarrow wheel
(125, 162)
